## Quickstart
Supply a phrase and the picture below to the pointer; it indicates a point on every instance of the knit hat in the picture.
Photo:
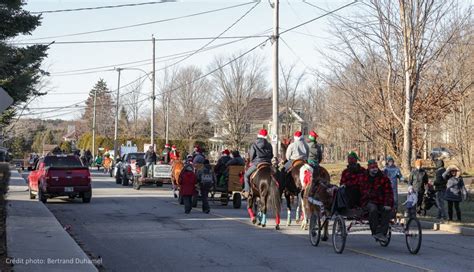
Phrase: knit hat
(173, 147)
(167, 145)
(389, 158)
(353, 155)
(226, 152)
(372, 162)
(312, 135)
(262, 133)
(297, 135)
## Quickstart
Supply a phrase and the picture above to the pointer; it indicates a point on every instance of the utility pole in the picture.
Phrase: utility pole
(275, 38)
(93, 124)
(117, 114)
(167, 118)
(152, 136)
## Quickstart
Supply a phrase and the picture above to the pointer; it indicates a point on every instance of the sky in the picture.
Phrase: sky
(300, 47)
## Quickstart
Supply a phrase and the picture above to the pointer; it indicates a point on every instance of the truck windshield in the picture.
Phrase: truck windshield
(62, 161)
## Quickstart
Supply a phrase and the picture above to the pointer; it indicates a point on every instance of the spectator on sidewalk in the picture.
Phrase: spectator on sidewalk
(455, 191)
(395, 175)
(440, 188)
(418, 179)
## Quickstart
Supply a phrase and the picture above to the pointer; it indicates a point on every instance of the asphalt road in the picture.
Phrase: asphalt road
(147, 230)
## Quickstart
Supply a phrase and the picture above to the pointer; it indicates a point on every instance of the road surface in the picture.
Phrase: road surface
(147, 230)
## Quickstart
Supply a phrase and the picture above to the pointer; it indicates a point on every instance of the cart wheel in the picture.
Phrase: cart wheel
(237, 200)
(315, 229)
(224, 199)
(413, 235)
(389, 237)
(136, 184)
(339, 234)
(195, 201)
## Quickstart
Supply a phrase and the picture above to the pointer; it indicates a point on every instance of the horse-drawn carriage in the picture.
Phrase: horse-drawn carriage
(358, 222)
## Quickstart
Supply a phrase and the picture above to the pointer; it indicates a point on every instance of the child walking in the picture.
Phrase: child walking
(187, 181)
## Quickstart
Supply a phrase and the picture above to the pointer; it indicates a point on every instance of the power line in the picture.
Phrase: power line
(136, 40)
(102, 7)
(143, 24)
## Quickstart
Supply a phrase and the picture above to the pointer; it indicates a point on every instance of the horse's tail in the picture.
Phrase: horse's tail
(274, 196)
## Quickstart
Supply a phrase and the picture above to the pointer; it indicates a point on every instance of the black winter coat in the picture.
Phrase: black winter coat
(315, 152)
(261, 151)
(439, 182)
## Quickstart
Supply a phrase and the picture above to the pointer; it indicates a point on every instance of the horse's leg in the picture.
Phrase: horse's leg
(250, 203)
(263, 203)
(298, 209)
(288, 208)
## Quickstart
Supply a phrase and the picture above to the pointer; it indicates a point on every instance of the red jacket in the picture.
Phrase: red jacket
(187, 181)
(377, 190)
(353, 180)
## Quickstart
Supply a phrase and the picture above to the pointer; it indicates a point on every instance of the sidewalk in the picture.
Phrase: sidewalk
(35, 239)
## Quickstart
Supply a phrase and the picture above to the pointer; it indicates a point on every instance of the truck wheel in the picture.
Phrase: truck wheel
(41, 196)
(237, 201)
(86, 197)
(124, 180)
(32, 196)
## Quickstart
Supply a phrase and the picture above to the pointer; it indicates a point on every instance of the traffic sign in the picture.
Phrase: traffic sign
(5, 100)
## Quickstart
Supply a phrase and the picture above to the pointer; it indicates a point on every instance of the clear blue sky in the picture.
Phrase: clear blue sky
(66, 90)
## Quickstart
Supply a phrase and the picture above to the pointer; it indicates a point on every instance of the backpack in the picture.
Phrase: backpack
(207, 177)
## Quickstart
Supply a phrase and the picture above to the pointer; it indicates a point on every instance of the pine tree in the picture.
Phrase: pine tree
(104, 109)
(20, 68)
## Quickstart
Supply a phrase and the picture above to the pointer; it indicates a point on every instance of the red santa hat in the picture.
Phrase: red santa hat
(226, 152)
(297, 135)
(173, 147)
(167, 145)
(263, 133)
(313, 135)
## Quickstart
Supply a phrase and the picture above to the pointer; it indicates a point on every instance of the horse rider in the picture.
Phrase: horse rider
(165, 154)
(315, 155)
(220, 167)
(174, 154)
(298, 150)
(352, 177)
(260, 152)
(377, 198)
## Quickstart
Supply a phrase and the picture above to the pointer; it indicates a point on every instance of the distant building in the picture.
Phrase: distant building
(260, 117)
(71, 135)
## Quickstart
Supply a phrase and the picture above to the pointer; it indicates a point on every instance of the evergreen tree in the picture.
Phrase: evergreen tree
(19, 66)
(104, 109)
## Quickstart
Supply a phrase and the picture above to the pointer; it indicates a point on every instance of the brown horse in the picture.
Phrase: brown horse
(176, 168)
(302, 175)
(320, 197)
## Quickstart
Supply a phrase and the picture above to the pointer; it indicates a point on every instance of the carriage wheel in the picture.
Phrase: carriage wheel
(389, 237)
(413, 235)
(339, 234)
(315, 229)
(237, 201)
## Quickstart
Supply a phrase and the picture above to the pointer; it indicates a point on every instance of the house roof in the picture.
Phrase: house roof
(261, 110)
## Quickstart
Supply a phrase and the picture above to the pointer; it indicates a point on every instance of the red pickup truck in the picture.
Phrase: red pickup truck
(60, 175)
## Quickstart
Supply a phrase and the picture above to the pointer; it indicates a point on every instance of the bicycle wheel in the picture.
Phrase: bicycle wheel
(339, 234)
(389, 237)
(413, 235)
(315, 229)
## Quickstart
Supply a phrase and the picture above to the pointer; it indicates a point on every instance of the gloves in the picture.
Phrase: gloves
(387, 208)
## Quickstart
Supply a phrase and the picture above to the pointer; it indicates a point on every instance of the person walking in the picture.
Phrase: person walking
(455, 191)
(206, 180)
(395, 175)
(187, 181)
(440, 188)
(418, 179)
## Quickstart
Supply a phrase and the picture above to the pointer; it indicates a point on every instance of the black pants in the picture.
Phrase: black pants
(420, 200)
(205, 202)
(188, 203)
(379, 218)
(450, 210)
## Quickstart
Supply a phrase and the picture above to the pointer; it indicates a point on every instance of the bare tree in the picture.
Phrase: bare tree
(134, 102)
(234, 86)
(290, 87)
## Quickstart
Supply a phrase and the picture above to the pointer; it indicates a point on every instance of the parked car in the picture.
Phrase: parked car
(60, 175)
(126, 167)
(440, 153)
